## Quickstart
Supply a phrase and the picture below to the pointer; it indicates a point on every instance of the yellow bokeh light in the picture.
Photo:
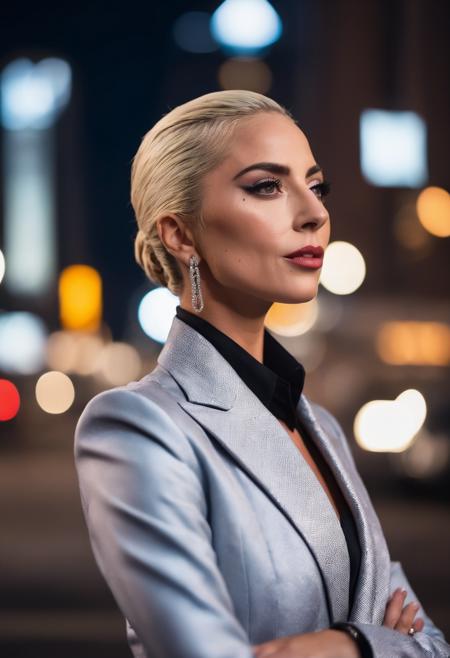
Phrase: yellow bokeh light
(54, 392)
(343, 269)
(390, 425)
(433, 210)
(80, 298)
(245, 73)
(414, 343)
(291, 319)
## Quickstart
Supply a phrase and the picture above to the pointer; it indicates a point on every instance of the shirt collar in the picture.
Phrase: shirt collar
(277, 382)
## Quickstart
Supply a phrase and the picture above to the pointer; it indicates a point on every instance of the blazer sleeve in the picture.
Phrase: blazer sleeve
(430, 642)
(385, 642)
(146, 514)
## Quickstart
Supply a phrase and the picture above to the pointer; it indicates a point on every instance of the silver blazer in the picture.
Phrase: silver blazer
(209, 527)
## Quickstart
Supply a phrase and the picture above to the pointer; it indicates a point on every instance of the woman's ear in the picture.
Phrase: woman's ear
(176, 237)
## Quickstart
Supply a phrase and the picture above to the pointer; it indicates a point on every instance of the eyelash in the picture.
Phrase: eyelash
(322, 188)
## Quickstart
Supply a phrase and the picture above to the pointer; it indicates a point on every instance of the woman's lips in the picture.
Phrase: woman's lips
(311, 262)
(309, 256)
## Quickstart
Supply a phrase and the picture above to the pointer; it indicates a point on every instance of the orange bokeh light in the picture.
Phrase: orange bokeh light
(433, 210)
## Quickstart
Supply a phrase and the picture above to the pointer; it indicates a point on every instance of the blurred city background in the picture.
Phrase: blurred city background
(80, 84)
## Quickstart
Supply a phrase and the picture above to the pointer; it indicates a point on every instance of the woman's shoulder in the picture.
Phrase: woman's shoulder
(123, 414)
(155, 390)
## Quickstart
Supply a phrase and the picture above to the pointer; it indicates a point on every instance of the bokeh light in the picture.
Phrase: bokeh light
(192, 33)
(9, 400)
(33, 94)
(246, 26)
(55, 392)
(390, 425)
(80, 298)
(414, 343)
(118, 363)
(156, 312)
(245, 73)
(2, 266)
(74, 352)
(343, 269)
(393, 148)
(433, 210)
(23, 339)
(291, 319)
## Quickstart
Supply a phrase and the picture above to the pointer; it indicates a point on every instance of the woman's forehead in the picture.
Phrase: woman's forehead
(266, 137)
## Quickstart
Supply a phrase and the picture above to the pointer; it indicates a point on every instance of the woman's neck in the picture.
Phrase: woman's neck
(246, 330)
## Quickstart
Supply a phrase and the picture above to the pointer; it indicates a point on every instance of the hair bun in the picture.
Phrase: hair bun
(147, 259)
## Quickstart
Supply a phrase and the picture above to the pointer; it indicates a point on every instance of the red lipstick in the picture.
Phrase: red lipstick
(308, 256)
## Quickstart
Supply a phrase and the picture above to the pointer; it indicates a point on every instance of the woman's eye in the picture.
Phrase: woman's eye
(265, 187)
(321, 189)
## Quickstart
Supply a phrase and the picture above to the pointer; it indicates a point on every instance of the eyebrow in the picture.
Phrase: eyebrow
(275, 168)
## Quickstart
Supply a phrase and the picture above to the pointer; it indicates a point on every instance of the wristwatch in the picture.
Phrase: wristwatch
(363, 644)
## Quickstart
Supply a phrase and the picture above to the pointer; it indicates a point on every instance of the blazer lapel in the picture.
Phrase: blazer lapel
(223, 405)
(264, 450)
(372, 589)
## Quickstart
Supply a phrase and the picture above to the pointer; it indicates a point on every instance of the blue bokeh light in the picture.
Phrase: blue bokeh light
(33, 95)
(393, 148)
(156, 312)
(192, 33)
(246, 26)
(23, 339)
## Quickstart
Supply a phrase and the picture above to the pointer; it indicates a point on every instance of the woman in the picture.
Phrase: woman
(224, 508)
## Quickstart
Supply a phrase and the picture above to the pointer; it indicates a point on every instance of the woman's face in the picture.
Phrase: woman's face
(254, 219)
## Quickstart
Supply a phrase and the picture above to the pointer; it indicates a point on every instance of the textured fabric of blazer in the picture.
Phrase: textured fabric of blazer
(210, 528)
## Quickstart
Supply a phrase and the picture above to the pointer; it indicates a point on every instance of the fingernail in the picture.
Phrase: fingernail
(403, 591)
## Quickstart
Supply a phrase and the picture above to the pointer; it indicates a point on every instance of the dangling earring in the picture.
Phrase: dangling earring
(194, 273)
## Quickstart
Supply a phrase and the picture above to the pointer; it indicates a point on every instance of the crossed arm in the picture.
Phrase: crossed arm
(398, 618)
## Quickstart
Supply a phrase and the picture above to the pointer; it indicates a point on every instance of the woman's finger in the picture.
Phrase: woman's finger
(407, 617)
(418, 624)
(394, 608)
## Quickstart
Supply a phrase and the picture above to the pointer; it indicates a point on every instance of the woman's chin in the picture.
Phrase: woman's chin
(299, 298)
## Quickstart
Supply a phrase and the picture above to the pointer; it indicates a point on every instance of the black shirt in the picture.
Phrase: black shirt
(278, 383)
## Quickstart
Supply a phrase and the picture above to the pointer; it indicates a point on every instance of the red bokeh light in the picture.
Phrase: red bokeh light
(9, 400)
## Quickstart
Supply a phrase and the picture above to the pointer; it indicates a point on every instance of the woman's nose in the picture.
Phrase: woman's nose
(311, 213)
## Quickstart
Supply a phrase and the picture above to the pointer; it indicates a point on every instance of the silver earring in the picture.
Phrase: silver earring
(194, 274)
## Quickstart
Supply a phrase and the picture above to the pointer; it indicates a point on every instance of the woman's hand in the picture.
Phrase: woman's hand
(401, 618)
(320, 644)
(335, 644)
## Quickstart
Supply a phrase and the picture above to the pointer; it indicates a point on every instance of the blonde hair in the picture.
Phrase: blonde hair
(170, 163)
